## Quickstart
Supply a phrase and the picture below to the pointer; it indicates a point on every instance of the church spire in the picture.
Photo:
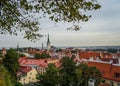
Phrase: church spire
(42, 46)
(48, 43)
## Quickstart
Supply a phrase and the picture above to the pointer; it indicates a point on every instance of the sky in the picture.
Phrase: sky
(103, 29)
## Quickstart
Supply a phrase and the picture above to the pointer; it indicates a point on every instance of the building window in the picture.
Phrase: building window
(30, 73)
(29, 77)
(118, 84)
(117, 75)
(111, 83)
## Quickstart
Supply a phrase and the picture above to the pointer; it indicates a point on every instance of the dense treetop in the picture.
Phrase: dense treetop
(69, 74)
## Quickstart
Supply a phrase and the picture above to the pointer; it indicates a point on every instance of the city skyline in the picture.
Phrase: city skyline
(101, 30)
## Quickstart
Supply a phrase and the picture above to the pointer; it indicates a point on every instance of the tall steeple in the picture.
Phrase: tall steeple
(42, 46)
(48, 43)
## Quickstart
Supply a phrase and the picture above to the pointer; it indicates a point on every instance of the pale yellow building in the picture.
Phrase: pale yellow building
(28, 75)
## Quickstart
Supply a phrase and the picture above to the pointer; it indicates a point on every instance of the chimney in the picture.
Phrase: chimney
(111, 61)
(91, 59)
(97, 58)
(119, 61)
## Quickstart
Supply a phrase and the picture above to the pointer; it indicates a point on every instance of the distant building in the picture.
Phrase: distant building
(18, 51)
(3, 52)
(26, 75)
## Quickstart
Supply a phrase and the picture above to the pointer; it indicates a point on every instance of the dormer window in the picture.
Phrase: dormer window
(117, 75)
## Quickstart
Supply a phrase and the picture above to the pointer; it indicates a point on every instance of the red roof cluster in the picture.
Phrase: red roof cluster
(94, 54)
(25, 69)
(109, 71)
(88, 54)
(24, 61)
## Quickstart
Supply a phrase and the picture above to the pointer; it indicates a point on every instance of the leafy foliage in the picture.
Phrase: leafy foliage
(95, 74)
(89, 73)
(41, 56)
(11, 62)
(50, 78)
(67, 71)
(69, 74)
(58, 50)
(18, 83)
(8, 69)
(22, 55)
(112, 50)
(1, 58)
(20, 15)
(5, 78)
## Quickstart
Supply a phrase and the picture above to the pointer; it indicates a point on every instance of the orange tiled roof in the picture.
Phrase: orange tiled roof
(101, 66)
(94, 54)
(25, 69)
(24, 61)
(21, 60)
(39, 62)
(87, 55)
(108, 70)
(106, 55)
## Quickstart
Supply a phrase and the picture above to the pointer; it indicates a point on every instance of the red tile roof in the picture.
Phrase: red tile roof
(21, 60)
(39, 62)
(107, 69)
(24, 61)
(106, 55)
(25, 69)
(94, 54)
(87, 55)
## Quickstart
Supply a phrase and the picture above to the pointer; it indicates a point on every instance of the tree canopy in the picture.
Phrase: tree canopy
(44, 55)
(69, 74)
(20, 15)
(50, 78)
(11, 62)
(9, 68)
(5, 78)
